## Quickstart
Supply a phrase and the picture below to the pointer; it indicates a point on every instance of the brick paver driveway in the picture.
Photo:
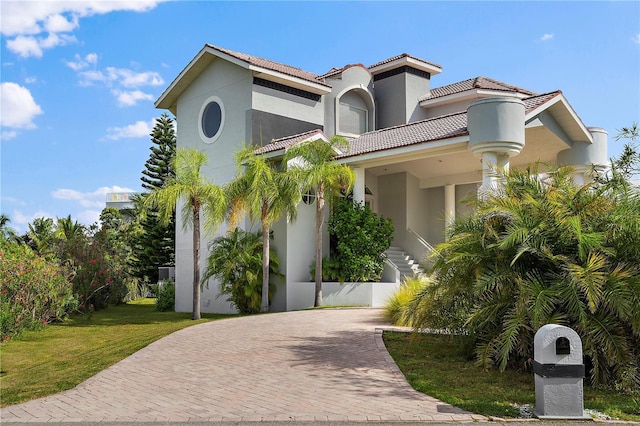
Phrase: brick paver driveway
(327, 365)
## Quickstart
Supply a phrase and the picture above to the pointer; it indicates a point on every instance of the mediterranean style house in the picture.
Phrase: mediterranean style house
(417, 150)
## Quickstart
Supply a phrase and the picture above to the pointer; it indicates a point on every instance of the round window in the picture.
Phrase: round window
(211, 119)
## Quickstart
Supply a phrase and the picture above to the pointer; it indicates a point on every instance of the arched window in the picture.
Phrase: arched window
(353, 114)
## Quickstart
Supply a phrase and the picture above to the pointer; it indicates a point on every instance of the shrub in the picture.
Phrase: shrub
(395, 310)
(331, 271)
(98, 279)
(544, 251)
(361, 237)
(33, 290)
(165, 296)
(236, 261)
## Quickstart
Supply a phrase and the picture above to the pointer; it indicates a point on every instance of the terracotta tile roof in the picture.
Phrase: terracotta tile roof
(286, 142)
(444, 127)
(404, 55)
(432, 129)
(535, 101)
(336, 71)
(474, 83)
(271, 65)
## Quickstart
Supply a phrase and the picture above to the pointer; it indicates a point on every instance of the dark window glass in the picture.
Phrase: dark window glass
(211, 119)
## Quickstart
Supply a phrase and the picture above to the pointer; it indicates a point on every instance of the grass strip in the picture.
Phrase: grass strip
(436, 365)
(61, 356)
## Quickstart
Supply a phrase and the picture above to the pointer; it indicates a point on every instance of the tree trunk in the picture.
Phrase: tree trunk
(265, 263)
(196, 264)
(319, 223)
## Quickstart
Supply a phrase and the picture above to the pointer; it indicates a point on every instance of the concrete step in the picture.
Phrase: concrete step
(407, 266)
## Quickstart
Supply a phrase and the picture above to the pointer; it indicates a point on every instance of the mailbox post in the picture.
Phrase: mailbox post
(559, 373)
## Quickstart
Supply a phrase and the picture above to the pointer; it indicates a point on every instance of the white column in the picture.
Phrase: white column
(580, 176)
(358, 187)
(493, 166)
(449, 204)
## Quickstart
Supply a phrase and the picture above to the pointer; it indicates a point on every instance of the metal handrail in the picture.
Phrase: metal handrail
(421, 240)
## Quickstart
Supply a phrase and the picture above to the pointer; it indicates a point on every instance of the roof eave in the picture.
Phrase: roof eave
(430, 147)
(291, 81)
(468, 95)
(280, 152)
(169, 96)
(206, 55)
(423, 66)
(576, 120)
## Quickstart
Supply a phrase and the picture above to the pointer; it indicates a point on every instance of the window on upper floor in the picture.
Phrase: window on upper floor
(353, 119)
(353, 114)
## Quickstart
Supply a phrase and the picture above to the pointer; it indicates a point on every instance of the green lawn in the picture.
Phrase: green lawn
(434, 364)
(41, 363)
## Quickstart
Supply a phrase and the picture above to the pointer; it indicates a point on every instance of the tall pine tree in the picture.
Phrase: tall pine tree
(155, 244)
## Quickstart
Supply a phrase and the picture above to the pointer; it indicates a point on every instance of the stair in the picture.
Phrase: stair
(407, 266)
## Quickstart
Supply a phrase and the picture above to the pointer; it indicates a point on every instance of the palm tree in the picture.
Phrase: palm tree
(42, 233)
(6, 232)
(69, 229)
(313, 164)
(266, 194)
(196, 193)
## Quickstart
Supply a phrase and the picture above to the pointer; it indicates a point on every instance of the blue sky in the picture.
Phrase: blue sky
(78, 79)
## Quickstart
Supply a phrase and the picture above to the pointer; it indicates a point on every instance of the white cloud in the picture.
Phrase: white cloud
(20, 218)
(81, 63)
(37, 26)
(129, 78)
(6, 135)
(18, 107)
(118, 78)
(121, 76)
(636, 38)
(88, 217)
(92, 58)
(13, 200)
(60, 24)
(131, 98)
(546, 37)
(137, 130)
(96, 199)
(27, 46)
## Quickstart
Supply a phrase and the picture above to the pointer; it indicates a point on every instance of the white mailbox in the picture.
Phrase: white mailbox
(559, 373)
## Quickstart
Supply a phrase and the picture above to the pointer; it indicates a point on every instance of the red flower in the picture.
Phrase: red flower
(108, 280)
(44, 321)
(92, 261)
(4, 291)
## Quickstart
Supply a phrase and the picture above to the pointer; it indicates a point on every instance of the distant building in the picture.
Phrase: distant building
(120, 200)
(417, 150)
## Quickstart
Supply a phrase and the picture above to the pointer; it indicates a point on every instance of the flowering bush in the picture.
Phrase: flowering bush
(33, 290)
(99, 279)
